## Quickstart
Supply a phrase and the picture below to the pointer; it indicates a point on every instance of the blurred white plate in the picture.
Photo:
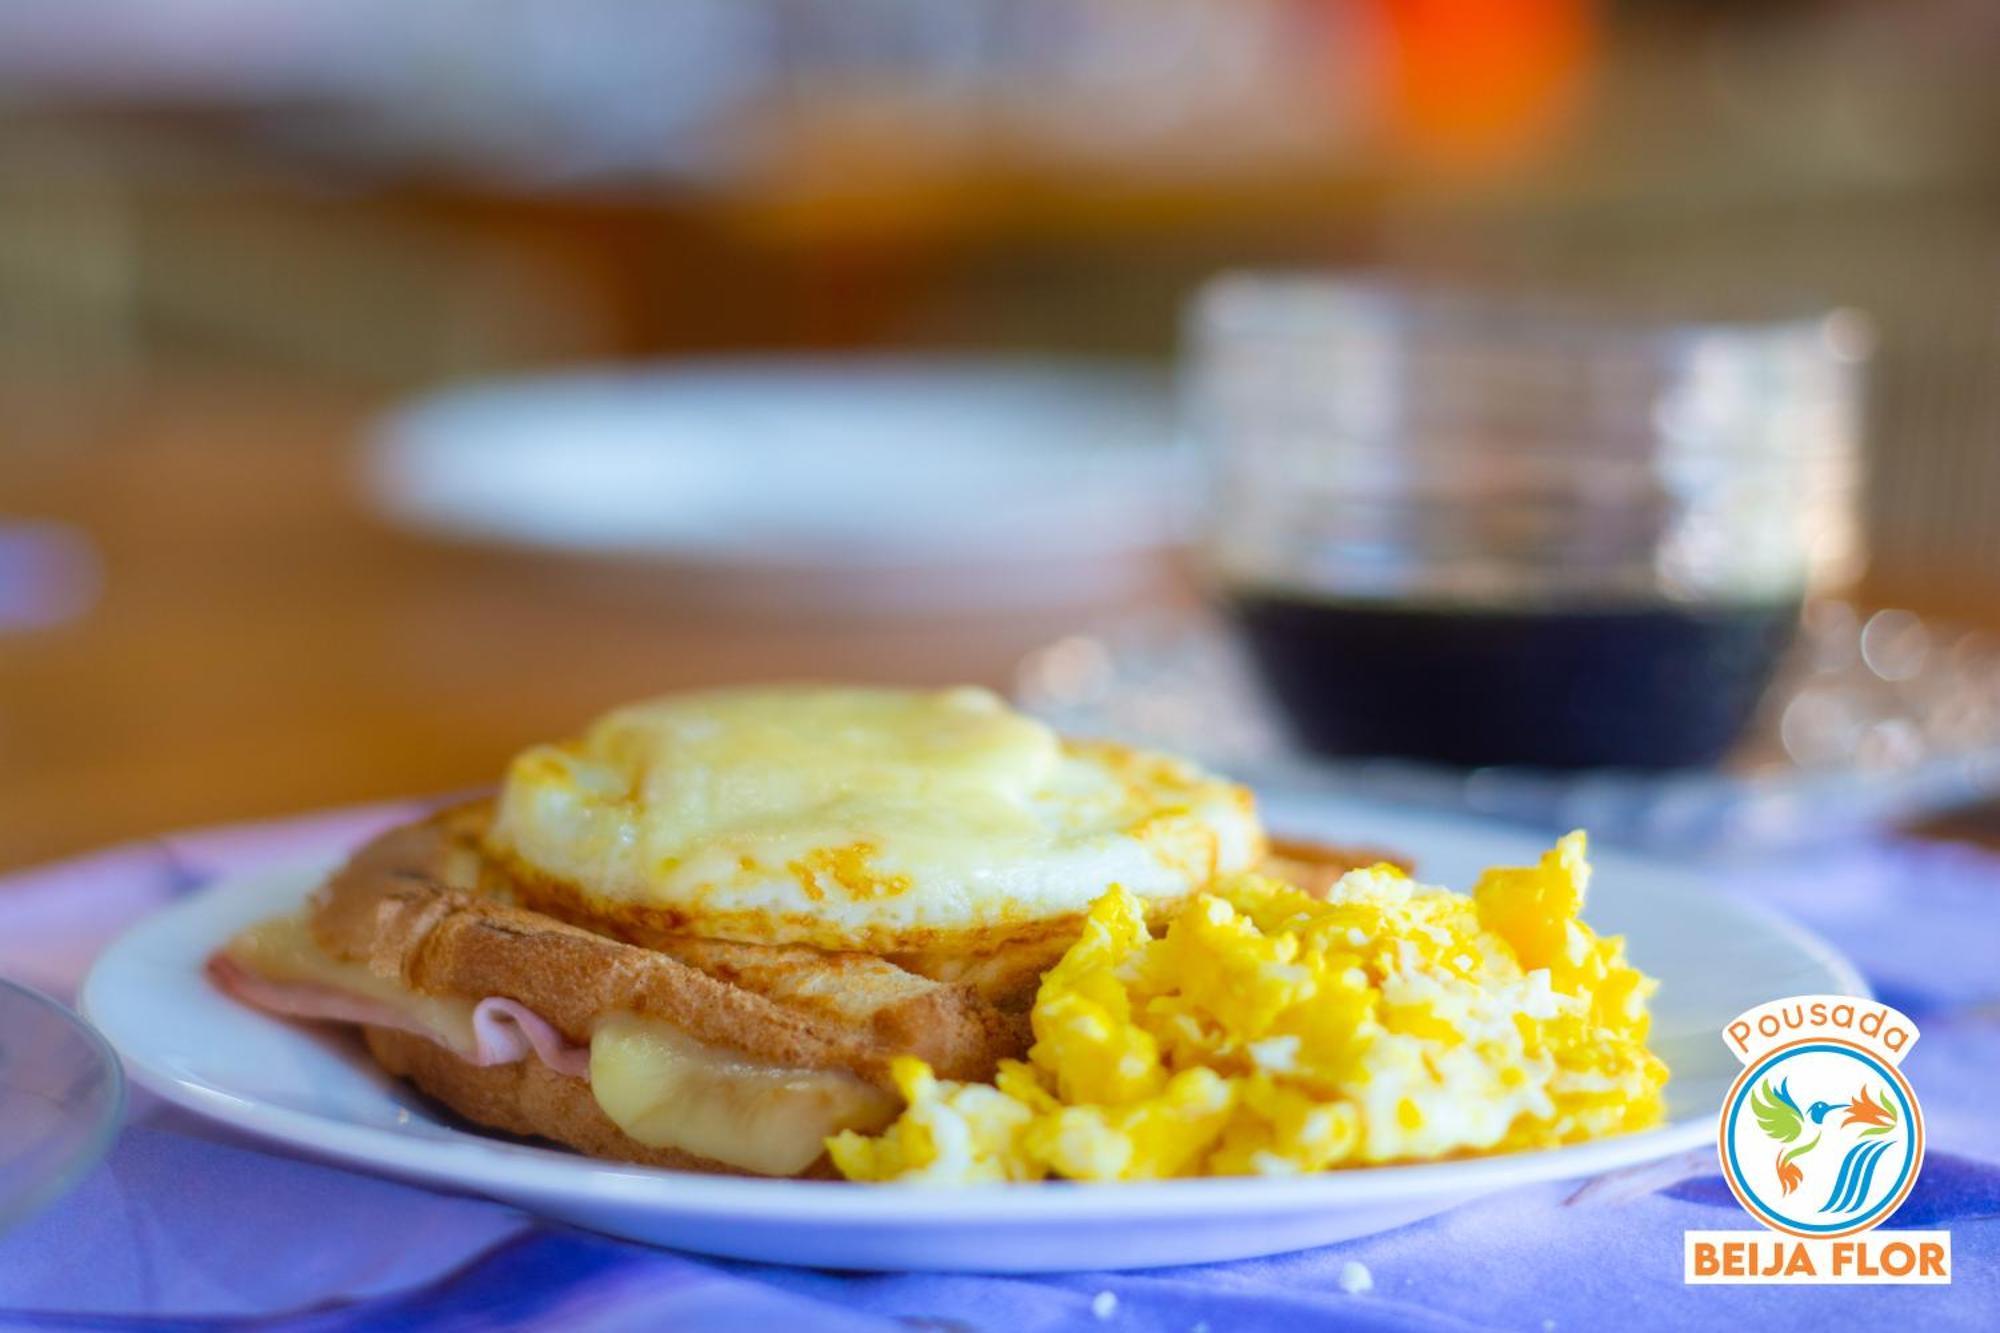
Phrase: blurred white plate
(321, 1096)
(905, 482)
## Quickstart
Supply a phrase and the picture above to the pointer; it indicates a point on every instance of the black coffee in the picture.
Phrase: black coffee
(1634, 686)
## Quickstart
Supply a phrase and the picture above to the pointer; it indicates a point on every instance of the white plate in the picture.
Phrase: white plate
(906, 481)
(319, 1095)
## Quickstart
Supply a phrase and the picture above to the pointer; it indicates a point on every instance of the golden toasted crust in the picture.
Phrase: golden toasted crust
(1000, 967)
(526, 1098)
(656, 925)
(418, 904)
(1317, 866)
(1008, 974)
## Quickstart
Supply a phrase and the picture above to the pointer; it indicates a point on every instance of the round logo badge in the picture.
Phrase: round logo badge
(1821, 1137)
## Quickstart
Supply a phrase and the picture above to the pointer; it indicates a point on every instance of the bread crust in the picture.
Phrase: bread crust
(420, 905)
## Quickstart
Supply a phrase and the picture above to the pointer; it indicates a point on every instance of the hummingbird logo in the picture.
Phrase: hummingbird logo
(1778, 1115)
(1821, 1140)
(1820, 1134)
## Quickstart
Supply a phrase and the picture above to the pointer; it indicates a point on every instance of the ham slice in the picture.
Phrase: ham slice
(504, 1031)
(507, 1030)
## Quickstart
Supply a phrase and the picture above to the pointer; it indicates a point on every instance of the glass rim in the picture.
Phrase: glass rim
(1307, 303)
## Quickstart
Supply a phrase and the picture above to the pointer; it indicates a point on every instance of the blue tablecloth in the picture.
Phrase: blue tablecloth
(185, 1224)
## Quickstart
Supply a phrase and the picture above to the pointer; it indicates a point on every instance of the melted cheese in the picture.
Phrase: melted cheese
(283, 950)
(667, 1090)
(860, 818)
(660, 1086)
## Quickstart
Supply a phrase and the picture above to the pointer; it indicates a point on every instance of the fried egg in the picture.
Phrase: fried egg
(1267, 1032)
(866, 819)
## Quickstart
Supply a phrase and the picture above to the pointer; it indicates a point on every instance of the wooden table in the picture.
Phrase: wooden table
(261, 644)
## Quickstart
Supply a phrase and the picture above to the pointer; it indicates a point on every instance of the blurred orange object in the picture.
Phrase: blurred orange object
(1479, 83)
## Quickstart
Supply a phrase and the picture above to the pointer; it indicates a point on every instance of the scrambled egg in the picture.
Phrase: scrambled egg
(1268, 1032)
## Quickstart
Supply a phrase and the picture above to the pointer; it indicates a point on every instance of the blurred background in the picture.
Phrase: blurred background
(241, 575)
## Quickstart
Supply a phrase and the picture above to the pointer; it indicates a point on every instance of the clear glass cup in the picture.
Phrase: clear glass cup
(1477, 529)
(62, 1097)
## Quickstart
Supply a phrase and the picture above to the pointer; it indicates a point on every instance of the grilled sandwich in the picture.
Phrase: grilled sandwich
(697, 936)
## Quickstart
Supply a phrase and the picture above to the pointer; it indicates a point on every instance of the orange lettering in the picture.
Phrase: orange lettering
(1933, 1259)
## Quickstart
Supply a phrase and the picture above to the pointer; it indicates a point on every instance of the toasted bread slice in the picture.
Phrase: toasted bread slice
(420, 905)
(1317, 866)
